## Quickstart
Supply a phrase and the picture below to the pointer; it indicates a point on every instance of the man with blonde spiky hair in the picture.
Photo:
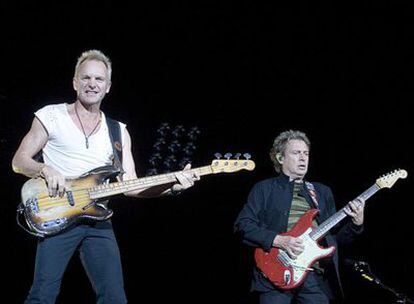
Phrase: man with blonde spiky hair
(75, 138)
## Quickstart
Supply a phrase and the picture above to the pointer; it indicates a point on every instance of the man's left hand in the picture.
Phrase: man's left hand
(355, 209)
(185, 178)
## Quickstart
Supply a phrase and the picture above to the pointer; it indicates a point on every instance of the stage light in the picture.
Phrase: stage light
(173, 148)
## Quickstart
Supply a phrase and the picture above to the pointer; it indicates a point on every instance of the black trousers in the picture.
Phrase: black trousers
(100, 257)
(314, 290)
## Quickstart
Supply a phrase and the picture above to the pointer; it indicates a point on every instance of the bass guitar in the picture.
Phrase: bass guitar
(84, 197)
(287, 273)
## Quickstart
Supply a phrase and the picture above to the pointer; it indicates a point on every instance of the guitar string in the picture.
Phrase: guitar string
(63, 201)
(116, 187)
(136, 181)
(132, 183)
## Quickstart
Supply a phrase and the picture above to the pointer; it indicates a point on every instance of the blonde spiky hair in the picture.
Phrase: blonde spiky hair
(94, 55)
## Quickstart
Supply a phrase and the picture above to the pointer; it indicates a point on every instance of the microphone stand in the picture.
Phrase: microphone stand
(364, 270)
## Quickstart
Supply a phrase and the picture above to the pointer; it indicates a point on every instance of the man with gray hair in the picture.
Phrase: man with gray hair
(273, 208)
(75, 138)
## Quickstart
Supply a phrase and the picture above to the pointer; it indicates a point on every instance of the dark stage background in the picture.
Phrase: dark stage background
(241, 71)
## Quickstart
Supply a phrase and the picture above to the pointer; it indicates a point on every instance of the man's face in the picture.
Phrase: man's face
(91, 82)
(295, 159)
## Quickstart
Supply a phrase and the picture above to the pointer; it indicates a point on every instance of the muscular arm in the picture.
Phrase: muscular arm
(128, 165)
(31, 144)
(24, 163)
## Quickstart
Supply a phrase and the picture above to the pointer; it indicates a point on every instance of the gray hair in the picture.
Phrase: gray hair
(280, 143)
(94, 55)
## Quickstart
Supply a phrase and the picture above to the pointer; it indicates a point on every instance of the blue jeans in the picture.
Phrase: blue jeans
(100, 257)
(312, 291)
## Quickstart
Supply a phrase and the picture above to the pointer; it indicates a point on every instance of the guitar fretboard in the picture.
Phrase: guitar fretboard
(323, 228)
(105, 190)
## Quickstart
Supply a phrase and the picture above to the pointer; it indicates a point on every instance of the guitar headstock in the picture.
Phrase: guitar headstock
(232, 165)
(388, 180)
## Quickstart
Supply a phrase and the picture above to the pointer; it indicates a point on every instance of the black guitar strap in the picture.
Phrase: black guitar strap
(116, 141)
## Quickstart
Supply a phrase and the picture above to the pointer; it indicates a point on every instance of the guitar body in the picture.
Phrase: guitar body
(285, 272)
(45, 215)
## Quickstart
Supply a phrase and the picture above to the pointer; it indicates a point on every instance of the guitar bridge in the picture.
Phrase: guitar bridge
(288, 262)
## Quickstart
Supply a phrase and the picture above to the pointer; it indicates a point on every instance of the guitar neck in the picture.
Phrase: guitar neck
(105, 190)
(327, 225)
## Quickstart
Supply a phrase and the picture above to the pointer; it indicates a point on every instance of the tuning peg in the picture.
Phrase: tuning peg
(228, 155)
(247, 156)
(237, 155)
(218, 155)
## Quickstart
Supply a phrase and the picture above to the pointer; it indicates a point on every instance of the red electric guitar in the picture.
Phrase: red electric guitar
(288, 273)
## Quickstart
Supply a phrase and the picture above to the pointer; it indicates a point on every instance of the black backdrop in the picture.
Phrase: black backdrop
(242, 72)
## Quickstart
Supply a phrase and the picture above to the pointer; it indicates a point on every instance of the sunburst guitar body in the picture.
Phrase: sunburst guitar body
(84, 197)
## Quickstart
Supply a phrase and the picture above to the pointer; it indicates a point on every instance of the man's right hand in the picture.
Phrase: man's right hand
(293, 246)
(54, 180)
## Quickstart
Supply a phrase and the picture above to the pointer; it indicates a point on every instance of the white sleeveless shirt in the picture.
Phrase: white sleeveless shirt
(66, 149)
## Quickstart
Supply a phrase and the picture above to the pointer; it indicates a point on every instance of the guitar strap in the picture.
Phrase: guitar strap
(312, 193)
(116, 141)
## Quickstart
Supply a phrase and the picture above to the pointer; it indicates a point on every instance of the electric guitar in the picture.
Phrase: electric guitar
(287, 273)
(83, 198)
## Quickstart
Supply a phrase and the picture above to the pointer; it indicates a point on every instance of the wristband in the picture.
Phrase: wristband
(39, 172)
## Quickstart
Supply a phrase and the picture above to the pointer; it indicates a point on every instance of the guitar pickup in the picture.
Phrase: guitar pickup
(69, 196)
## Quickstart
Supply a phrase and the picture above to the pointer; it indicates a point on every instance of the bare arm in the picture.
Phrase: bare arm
(128, 165)
(24, 163)
(184, 179)
(31, 144)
